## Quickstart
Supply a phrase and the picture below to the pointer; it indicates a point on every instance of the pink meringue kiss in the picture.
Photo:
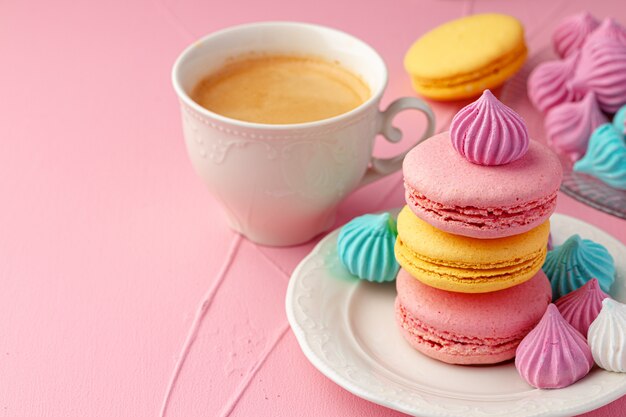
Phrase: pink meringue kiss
(553, 354)
(569, 125)
(486, 132)
(581, 307)
(548, 83)
(601, 69)
(571, 33)
(609, 29)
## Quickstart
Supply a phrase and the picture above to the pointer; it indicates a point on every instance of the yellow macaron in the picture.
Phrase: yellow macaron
(465, 264)
(463, 57)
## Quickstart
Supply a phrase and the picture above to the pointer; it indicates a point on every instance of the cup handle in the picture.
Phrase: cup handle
(381, 167)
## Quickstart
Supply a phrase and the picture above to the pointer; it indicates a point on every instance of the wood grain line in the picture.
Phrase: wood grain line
(201, 311)
(174, 20)
(245, 383)
(278, 268)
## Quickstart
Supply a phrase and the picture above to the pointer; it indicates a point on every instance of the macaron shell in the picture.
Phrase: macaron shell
(469, 280)
(469, 328)
(461, 58)
(459, 88)
(460, 197)
(463, 264)
(429, 342)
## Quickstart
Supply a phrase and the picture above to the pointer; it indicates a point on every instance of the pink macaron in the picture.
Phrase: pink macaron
(458, 196)
(467, 329)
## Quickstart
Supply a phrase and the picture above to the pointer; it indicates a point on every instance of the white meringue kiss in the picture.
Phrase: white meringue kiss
(607, 336)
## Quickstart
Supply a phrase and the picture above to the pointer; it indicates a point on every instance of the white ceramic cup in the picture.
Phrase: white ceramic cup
(280, 184)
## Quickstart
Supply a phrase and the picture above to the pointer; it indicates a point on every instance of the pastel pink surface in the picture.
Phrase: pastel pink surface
(460, 197)
(469, 328)
(109, 241)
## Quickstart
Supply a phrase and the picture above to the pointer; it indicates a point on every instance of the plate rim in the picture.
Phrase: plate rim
(328, 371)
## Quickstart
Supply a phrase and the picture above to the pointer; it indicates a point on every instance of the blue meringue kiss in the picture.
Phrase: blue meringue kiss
(365, 247)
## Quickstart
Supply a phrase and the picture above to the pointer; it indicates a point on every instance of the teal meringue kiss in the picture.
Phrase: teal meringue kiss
(575, 262)
(365, 247)
(606, 157)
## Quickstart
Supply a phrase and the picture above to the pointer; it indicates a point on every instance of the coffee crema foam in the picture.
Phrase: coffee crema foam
(281, 89)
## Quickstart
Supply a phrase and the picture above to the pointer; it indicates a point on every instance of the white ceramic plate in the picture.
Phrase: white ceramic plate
(346, 328)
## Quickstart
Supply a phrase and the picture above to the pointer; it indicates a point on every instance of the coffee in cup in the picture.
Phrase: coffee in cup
(280, 89)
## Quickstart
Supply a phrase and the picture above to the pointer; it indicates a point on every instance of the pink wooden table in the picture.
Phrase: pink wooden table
(108, 240)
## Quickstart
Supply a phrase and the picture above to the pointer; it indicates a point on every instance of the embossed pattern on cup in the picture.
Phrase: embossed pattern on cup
(271, 182)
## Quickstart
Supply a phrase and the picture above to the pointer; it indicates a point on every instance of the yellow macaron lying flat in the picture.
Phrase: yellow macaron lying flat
(464, 264)
(463, 57)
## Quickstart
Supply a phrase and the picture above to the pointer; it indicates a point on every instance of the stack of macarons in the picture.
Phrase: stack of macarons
(473, 237)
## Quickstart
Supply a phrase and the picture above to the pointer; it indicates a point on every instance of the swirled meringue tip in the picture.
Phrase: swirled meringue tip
(606, 157)
(571, 33)
(608, 29)
(486, 132)
(549, 83)
(366, 247)
(601, 69)
(581, 307)
(607, 336)
(569, 125)
(571, 265)
(553, 354)
(619, 121)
